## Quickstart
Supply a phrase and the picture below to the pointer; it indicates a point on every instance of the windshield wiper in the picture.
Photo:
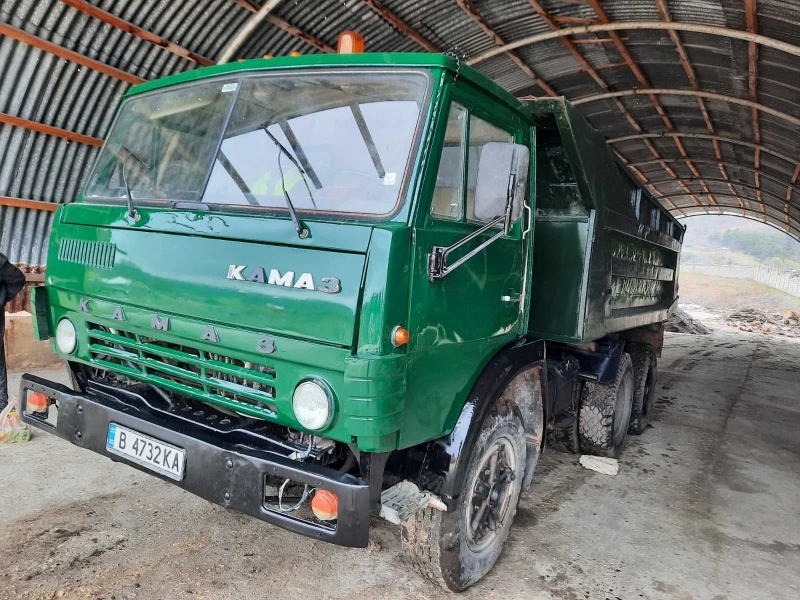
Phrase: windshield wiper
(302, 231)
(132, 212)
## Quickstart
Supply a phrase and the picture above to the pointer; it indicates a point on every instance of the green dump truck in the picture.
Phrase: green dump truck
(312, 289)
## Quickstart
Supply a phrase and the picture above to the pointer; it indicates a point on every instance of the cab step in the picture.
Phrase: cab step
(401, 501)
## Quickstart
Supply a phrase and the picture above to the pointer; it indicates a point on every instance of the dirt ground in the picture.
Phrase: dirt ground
(727, 293)
(704, 508)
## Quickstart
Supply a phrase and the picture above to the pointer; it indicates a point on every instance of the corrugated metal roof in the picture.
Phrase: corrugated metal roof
(38, 86)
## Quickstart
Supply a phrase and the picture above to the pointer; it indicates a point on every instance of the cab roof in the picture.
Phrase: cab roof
(309, 61)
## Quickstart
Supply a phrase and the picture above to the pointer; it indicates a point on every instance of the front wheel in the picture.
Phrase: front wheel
(456, 549)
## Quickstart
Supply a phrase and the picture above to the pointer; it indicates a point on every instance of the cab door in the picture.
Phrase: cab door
(458, 322)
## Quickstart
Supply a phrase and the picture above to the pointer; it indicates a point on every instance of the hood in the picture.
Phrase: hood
(247, 272)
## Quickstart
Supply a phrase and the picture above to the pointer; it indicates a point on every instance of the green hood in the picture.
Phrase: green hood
(245, 272)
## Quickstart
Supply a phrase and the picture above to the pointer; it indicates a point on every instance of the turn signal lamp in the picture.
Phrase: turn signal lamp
(350, 42)
(37, 402)
(295, 53)
(267, 56)
(325, 505)
(400, 336)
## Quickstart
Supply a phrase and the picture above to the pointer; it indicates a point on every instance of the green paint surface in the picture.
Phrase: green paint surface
(174, 263)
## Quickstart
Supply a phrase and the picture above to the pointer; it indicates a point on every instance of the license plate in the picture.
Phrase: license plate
(146, 451)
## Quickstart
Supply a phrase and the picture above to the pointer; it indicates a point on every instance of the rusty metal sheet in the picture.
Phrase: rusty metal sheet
(34, 276)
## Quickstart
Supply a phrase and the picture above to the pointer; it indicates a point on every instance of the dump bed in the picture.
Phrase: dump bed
(606, 254)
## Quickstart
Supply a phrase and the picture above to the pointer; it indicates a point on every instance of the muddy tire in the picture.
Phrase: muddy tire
(606, 411)
(564, 440)
(645, 371)
(455, 549)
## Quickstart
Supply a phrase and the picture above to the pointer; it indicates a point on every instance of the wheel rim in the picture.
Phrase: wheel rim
(490, 494)
(622, 409)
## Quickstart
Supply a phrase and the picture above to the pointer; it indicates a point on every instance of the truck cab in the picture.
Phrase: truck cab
(305, 288)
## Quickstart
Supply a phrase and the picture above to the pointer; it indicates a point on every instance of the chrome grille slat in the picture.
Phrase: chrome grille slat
(215, 378)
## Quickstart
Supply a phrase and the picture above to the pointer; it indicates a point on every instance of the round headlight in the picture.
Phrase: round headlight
(312, 405)
(66, 336)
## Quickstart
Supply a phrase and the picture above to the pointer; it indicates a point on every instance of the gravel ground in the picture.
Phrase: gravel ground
(704, 507)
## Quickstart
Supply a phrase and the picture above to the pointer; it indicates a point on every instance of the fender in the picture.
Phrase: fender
(446, 459)
(599, 360)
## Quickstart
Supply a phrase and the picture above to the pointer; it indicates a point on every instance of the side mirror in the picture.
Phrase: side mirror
(499, 193)
(502, 177)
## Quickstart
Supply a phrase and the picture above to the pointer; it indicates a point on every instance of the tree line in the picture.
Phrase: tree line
(759, 245)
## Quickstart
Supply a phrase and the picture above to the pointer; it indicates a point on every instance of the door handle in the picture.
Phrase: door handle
(529, 221)
(511, 298)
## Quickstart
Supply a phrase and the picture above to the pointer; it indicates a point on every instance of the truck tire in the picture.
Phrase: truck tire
(564, 439)
(455, 549)
(606, 411)
(645, 371)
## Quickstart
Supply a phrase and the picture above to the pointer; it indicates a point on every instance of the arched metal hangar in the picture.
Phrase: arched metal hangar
(700, 99)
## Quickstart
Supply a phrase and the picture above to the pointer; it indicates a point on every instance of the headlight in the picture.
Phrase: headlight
(66, 336)
(312, 405)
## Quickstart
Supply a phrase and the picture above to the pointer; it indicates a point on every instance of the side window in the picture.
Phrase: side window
(448, 195)
(480, 134)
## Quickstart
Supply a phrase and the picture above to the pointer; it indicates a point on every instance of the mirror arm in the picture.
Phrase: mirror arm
(437, 259)
(512, 184)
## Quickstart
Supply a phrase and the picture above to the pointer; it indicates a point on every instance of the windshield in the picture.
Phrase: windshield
(336, 142)
(165, 142)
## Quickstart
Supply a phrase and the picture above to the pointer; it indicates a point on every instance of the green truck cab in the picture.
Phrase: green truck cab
(312, 289)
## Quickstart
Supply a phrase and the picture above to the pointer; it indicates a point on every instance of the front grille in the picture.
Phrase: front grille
(229, 382)
(93, 254)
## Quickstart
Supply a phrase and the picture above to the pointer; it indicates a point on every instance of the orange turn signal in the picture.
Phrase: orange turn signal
(38, 402)
(325, 505)
(295, 53)
(350, 42)
(400, 336)
(267, 56)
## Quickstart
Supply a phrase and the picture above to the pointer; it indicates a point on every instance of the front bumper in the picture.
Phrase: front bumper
(233, 477)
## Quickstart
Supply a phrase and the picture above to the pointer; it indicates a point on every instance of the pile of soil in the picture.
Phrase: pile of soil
(752, 320)
(681, 322)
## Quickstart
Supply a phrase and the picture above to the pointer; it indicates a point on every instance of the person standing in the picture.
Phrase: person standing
(11, 282)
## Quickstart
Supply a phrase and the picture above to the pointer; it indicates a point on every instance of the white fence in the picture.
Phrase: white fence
(782, 280)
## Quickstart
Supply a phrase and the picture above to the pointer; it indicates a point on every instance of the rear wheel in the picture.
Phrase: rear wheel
(645, 370)
(606, 412)
(455, 549)
(564, 439)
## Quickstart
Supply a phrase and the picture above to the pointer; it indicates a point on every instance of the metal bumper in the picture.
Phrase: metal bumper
(231, 477)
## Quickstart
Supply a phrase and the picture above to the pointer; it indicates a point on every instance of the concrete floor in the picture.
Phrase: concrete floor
(705, 506)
